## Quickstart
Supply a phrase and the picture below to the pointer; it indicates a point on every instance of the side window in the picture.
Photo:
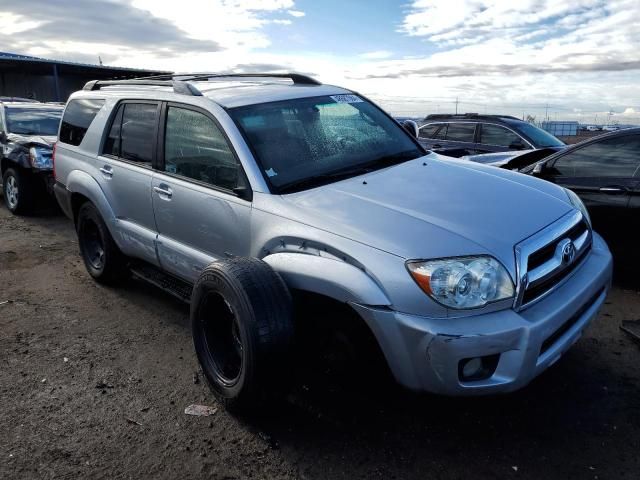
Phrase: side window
(194, 147)
(428, 131)
(132, 133)
(496, 135)
(441, 133)
(77, 118)
(461, 132)
(613, 157)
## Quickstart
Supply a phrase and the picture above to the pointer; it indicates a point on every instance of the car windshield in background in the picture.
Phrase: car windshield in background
(33, 121)
(539, 137)
(306, 142)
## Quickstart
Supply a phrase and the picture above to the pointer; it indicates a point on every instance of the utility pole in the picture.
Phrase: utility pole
(456, 105)
(546, 113)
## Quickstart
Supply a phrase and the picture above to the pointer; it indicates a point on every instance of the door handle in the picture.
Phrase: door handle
(107, 171)
(163, 191)
(437, 146)
(612, 190)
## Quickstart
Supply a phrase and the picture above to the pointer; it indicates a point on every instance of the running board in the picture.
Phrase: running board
(165, 281)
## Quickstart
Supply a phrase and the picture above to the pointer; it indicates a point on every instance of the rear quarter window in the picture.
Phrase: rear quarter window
(77, 118)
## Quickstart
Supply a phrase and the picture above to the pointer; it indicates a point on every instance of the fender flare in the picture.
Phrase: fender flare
(333, 278)
(84, 184)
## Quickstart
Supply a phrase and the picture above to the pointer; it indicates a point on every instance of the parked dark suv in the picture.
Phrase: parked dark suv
(28, 130)
(472, 134)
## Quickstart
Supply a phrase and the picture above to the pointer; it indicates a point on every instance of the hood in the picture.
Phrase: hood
(32, 140)
(496, 159)
(432, 207)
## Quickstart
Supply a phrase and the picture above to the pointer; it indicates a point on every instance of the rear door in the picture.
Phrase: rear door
(497, 138)
(200, 213)
(460, 138)
(125, 174)
(603, 173)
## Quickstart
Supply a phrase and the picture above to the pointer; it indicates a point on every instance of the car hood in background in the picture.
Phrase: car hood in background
(513, 160)
(431, 208)
(32, 140)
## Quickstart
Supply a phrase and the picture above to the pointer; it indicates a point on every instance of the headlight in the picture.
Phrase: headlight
(576, 202)
(463, 282)
(40, 158)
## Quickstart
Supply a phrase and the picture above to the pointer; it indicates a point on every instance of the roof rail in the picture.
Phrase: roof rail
(178, 86)
(443, 116)
(296, 78)
(19, 99)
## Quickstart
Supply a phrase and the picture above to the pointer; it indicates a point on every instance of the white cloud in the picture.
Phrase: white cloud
(231, 23)
(296, 13)
(376, 55)
(11, 23)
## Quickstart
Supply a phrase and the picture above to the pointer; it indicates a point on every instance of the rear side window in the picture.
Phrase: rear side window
(461, 132)
(133, 133)
(496, 135)
(77, 118)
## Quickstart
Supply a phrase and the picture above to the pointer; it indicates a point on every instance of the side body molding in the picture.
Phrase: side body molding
(333, 278)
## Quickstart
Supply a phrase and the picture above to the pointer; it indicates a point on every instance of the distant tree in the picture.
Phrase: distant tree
(531, 119)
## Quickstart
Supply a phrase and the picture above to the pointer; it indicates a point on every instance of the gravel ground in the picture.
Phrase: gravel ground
(94, 383)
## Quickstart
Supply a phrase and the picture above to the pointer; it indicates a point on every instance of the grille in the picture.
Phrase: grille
(543, 260)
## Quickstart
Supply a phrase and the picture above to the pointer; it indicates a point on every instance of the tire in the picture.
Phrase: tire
(242, 326)
(102, 257)
(18, 191)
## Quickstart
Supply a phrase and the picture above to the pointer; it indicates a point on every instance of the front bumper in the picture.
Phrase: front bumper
(425, 353)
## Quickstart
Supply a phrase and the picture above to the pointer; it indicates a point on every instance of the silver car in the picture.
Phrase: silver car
(242, 193)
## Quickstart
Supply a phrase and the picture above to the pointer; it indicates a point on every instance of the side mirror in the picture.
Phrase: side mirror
(538, 168)
(411, 127)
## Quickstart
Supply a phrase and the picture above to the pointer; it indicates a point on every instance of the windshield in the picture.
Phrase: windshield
(33, 121)
(306, 142)
(539, 137)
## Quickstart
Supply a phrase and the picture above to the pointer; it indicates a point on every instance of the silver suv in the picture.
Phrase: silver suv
(240, 193)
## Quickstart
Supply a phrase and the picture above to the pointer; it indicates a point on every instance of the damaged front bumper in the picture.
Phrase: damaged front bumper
(429, 354)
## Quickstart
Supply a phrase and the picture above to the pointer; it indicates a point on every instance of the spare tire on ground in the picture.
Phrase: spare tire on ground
(242, 326)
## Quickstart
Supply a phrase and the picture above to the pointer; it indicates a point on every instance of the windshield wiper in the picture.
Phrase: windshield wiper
(321, 179)
(352, 171)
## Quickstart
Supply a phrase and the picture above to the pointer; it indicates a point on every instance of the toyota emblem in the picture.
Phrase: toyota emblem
(568, 252)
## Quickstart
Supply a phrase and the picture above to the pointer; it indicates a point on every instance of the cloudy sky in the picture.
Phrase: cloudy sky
(561, 58)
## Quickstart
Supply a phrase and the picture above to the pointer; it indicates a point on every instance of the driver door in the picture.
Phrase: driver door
(602, 174)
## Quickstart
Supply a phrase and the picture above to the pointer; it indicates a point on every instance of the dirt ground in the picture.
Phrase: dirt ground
(94, 382)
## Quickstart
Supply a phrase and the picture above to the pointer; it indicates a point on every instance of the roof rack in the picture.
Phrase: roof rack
(296, 78)
(178, 86)
(18, 99)
(442, 116)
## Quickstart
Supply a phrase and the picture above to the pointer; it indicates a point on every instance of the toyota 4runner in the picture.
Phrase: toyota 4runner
(239, 192)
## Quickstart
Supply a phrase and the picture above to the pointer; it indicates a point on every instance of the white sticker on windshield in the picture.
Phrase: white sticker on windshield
(271, 172)
(346, 98)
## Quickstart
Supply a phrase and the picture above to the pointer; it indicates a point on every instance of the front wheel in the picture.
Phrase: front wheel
(241, 319)
(102, 257)
(18, 191)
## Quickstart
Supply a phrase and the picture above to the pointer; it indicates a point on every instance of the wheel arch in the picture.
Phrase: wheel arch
(84, 188)
(329, 277)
